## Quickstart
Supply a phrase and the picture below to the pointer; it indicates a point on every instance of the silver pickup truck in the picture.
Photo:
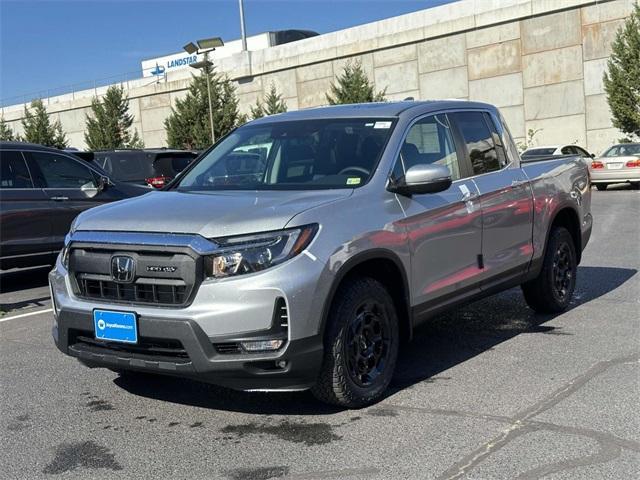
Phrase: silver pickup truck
(301, 249)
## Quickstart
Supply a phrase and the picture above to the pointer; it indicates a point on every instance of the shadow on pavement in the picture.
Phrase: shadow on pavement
(23, 279)
(441, 343)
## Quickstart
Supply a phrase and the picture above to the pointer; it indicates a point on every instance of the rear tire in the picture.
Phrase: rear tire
(361, 345)
(552, 289)
(601, 186)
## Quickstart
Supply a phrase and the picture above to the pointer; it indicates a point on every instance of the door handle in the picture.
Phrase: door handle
(59, 199)
(468, 196)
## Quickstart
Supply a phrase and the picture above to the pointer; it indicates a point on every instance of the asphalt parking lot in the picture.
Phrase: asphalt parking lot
(488, 391)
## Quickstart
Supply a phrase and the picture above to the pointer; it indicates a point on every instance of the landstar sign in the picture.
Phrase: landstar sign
(161, 65)
(177, 61)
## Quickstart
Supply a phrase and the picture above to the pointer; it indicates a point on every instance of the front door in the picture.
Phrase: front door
(70, 186)
(444, 229)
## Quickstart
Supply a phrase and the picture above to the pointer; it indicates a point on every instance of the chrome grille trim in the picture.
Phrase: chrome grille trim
(197, 243)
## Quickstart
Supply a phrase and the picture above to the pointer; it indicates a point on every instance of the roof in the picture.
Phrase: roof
(370, 110)
(25, 145)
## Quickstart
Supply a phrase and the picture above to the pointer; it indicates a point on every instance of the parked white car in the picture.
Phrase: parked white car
(554, 150)
(617, 164)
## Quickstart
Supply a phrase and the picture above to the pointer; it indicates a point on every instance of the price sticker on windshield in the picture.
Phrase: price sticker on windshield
(384, 125)
(353, 181)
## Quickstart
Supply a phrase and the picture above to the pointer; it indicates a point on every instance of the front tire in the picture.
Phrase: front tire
(601, 186)
(552, 289)
(361, 345)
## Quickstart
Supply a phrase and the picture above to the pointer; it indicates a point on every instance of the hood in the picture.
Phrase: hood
(209, 214)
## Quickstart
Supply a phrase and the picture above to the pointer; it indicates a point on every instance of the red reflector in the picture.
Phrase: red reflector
(596, 164)
(634, 163)
(157, 182)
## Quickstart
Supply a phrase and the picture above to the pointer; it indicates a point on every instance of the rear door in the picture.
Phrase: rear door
(505, 196)
(25, 222)
(70, 186)
(444, 229)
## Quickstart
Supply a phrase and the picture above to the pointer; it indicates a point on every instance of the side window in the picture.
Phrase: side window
(58, 171)
(497, 140)
(13, 171)
(429, 141)
(567, 151)
(581, 152)
(481, 142)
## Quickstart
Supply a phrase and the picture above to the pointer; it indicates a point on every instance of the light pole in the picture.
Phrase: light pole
(205, 46)
(243, 32)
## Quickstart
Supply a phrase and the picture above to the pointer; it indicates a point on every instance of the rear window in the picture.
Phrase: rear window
(126, 166)
(534, 152)
(138, 166)
(171, 164)
(623, 150)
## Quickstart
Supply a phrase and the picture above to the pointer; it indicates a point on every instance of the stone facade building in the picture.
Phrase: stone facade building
(540, 61)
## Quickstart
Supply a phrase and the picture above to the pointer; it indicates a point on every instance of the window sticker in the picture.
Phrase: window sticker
(368, 124)
(353, 181)
(384, 125)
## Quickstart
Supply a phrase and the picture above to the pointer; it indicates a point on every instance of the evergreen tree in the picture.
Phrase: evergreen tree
(622, 81)
(6, 133)
(109, 127)
(273, 103)
(353, 87)
(188, 125)
(38, 128)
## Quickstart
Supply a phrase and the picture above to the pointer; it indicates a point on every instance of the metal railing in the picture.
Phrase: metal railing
(123, 79)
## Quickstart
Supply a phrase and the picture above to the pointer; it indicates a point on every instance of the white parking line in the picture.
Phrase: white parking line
(26, 314)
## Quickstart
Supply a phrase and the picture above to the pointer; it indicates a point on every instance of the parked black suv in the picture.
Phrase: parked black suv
(154, 167)
(41, 191)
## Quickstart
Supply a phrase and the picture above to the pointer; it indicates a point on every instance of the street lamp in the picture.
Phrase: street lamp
(205, 46)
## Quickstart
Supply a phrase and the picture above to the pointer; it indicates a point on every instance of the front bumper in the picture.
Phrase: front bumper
(194, 355)
(227, 311)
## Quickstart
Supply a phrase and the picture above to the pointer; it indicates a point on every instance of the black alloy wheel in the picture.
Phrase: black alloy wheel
(367, 343)
(360, 345)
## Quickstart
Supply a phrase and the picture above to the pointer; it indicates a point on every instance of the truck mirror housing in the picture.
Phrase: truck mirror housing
(422, 178)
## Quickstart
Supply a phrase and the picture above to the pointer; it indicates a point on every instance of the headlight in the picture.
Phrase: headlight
(253, 253)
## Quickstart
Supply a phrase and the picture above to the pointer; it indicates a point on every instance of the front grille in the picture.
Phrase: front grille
(172, 293)
(160, 277)
(147, 348)
(228, 348)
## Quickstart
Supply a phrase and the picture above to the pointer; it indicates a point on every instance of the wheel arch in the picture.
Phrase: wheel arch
(568, 218)
(385, 267)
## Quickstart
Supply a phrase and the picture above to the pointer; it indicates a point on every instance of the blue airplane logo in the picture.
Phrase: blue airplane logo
(158, 70)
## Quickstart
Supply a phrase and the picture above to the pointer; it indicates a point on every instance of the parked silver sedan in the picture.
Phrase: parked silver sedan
(618, 164)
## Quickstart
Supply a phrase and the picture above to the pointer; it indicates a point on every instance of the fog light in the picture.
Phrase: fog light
(262, 345)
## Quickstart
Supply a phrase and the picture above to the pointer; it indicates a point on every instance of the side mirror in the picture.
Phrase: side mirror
(103, 183)
(592, 155)
(423, 178)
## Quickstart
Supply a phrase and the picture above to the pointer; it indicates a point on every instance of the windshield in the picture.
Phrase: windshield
(300, 155)
(623, 150)
(534, 152)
